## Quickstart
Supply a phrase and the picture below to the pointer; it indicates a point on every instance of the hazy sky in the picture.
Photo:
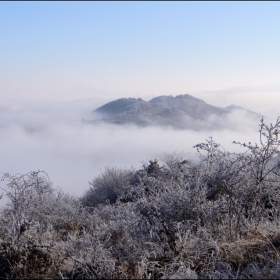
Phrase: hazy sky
(61, 60)
(137, 48)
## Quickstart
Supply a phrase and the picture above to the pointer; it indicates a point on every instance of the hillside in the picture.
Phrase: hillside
(177, 112)
(217, 218)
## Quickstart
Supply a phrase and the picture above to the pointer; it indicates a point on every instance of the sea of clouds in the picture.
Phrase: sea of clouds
(49, 135)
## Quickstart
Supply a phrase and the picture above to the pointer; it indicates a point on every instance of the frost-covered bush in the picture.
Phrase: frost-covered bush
(34, 220)
(112, 183)
(244, 186)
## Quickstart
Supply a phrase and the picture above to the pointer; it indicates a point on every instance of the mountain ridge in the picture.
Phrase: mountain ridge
(165, 110)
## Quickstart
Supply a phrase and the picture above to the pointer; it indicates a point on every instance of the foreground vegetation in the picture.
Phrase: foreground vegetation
(218, 218)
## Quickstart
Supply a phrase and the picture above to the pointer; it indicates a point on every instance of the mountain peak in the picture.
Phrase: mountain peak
(118, 106)
(170, 98)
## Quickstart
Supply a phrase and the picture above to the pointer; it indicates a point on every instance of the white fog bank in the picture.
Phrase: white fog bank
(51, 137)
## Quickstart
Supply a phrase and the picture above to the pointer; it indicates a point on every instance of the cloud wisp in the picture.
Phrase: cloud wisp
(263, 99)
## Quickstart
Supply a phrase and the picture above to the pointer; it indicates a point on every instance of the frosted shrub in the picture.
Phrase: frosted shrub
(108, 186)
(245, 185)
(32, 224)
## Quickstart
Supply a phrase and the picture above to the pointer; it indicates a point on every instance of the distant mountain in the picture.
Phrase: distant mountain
(233, 108)
(182, 111)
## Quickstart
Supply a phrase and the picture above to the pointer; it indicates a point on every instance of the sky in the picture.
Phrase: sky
(61, 60)
(137, 48)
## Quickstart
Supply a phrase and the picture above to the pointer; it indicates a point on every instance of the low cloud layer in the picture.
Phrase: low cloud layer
(263, 99)
(50, 136)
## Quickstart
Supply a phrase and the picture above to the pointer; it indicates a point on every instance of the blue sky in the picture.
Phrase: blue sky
(137, 48)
